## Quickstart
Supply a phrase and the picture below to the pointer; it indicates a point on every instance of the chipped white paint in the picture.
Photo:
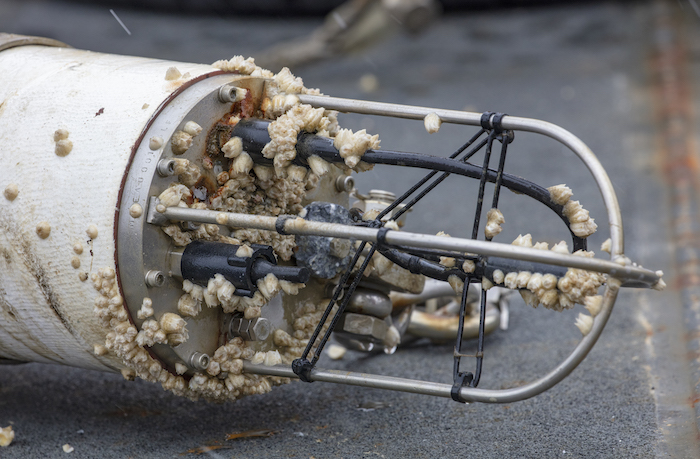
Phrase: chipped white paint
(46, 307)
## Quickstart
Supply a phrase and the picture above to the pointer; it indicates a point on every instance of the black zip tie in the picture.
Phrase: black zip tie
(381, 236)
(492, 120)
(279, 223)
(463, 379)
(486, 120)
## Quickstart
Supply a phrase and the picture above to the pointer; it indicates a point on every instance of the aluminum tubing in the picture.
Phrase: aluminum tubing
(69, 195)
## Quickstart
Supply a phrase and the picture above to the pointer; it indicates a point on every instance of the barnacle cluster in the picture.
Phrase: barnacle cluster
(580, 222)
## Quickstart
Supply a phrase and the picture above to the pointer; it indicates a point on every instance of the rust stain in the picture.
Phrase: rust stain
(99, 112)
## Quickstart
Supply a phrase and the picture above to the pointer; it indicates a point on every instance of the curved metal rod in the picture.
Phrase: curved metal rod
(593, 165)
(508, 122)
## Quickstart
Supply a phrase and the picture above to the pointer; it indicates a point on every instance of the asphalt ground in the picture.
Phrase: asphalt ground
(585, 67)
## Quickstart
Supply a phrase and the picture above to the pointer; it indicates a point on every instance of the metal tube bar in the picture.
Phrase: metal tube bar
(301, 226)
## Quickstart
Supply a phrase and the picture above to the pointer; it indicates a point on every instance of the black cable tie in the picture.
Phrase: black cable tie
(302, 368)
(496, 122)
(279, 223)
(381, 236)
(462, 379)
(486, 120)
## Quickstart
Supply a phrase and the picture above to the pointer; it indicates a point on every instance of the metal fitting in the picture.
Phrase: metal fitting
(370, 302)
(344, 183)
(363, 327)
(166, 167)
(258, 329)
(230, 94)
(155, 278)
(199, 361)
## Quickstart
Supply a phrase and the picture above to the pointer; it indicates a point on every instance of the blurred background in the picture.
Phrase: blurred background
(606, 71)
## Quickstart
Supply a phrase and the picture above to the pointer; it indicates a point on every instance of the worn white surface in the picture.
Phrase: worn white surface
(103, 102)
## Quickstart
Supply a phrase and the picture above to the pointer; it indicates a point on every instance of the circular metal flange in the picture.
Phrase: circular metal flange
(143, 249)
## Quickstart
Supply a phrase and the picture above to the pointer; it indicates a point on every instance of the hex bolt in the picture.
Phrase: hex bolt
(199, 361)
(339, 247)
(344, 183)
(259, 329)
(230, 94)
(166, 167)
(155, 278)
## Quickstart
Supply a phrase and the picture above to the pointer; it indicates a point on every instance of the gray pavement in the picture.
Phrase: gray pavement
(583, 67)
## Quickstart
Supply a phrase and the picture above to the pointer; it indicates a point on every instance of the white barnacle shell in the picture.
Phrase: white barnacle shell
(529, 298)
(432, 122)
(172, 74)
(272, 358)
(258, 358)
(561, 247)
(560, 194)
(469, 266)
(522, 279)
(290, 288)
(6, 435)
(335, 351)
(498, 276)
(154, 143)
(172, 195)
(296, 173)
(43, 230)
(318, 166)
(594, 304)
(244, 251)
(172, 323)
(549, 281)
(187, 306)
(456, 283)
(242, 164)
(510, 280)
(523, 241)
(192, 128)
(549, 299)
(233, 148)
(541, 246)
(486, 284)
(584, 323)
(146, 309)
(180, 142)
(494, 219)
(63, 147)
(11, 191)
(264, 173)
(535, 282)
(180, 368)
(606, 246)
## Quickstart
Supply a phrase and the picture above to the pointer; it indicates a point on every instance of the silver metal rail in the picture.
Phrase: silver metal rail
(297, 225)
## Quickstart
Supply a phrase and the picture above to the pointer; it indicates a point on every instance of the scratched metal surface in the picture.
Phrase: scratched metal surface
(585, 68)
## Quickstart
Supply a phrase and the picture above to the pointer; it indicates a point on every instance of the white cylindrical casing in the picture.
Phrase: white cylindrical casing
(103, 102)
